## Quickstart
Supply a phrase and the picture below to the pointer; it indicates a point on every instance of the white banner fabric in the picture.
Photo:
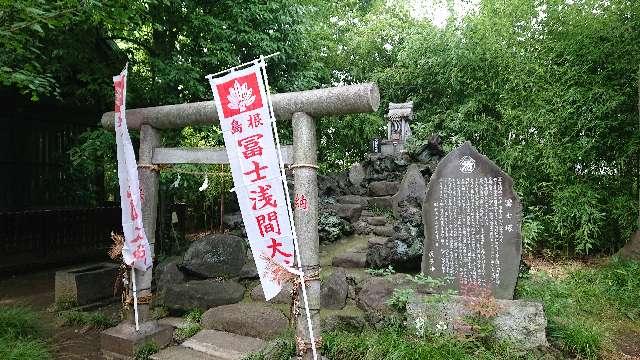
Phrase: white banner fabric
(242, 105)
(135, 252)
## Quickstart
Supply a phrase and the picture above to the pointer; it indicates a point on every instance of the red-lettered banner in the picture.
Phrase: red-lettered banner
(135, 252)
(241, 101)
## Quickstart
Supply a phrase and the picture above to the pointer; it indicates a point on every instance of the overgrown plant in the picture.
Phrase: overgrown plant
(481, 309)
(400, 298)
(191, 327)
(388, 271)
(145, 351)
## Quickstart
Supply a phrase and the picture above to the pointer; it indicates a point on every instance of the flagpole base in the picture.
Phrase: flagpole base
(121, 341)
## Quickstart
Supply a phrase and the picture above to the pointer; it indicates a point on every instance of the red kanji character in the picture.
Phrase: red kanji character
(300, 201)
(255, 120)
(134, 212)
(275, 248)
(262, 197)
(268, 223)
(236, 126)
(256, 170)
(138, 235)
(140, 253)
(251, 146)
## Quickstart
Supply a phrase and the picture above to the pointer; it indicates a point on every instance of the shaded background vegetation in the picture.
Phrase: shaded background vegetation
(547, 88)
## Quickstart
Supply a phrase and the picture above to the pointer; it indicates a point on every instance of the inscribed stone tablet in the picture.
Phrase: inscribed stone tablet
(472, 221)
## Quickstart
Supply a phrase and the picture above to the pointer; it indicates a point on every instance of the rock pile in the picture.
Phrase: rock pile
(207, 275)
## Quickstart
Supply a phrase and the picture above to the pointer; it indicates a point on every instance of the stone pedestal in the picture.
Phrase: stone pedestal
(121, 341)
(86, 284)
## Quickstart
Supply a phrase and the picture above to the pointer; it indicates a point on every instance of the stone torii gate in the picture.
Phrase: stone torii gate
(301, 108)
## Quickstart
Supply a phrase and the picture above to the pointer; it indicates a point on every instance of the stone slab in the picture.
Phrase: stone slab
(175, 322)
(472, 222)
(353, 199)
(377, 220)
(86, 284)
(383, 188)
(520, 322)
(384, 230)
(122, 340)
(351, 259)
(182, 353)
(259, 320)
(381, 202)
(223, 345)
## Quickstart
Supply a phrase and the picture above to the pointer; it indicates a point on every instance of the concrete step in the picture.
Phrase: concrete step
(182, 353)
(223, 345)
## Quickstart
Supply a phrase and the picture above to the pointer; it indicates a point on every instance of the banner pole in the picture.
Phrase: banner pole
(135, 297)
(290, 211)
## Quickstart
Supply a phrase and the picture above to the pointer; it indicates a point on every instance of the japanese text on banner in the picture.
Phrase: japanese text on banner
(240, 99)
(135, 252)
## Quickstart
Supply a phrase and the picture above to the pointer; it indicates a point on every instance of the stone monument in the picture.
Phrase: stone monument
(398, 130)
(472, 219)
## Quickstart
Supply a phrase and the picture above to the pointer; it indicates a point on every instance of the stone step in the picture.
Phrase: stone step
(376, 220)
(223, 345)
(353, 199)
(175, 322)
(367, 213)
(386, 230)
(351, 259)
(182, 353)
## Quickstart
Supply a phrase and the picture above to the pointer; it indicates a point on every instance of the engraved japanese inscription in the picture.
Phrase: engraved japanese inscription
(472, 220)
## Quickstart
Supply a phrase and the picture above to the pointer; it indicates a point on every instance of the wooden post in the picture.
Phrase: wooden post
(306, 220)
(149, 182)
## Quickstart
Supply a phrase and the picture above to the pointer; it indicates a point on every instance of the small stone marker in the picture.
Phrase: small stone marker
(472, 220)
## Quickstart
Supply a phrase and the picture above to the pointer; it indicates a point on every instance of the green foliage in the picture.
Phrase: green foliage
(536, 94)
(588, 306)
(194, 316)
(159, 312)
(23, 349)
(145, 351)
(185, 332)
(400, 298)
(20, 335)
(381, 272)
(19, 322)
(281, 348)
(191, 327)
(388, 344)
(63, 304)
(95, 320)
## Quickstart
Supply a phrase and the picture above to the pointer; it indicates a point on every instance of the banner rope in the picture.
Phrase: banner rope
(300, 272)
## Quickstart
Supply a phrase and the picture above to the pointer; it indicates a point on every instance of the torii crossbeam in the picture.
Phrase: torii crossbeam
(299, 107)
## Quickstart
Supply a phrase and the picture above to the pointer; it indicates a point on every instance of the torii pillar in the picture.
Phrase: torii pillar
(302, 108)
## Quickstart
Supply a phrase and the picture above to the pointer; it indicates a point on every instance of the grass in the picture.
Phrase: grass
(21, 335)
(192, 326)
(396, 343)
(587, 307)
(95, 320)
(146, 350)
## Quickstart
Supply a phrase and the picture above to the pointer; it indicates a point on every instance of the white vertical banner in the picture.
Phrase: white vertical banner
(242, 105)
(135, 251)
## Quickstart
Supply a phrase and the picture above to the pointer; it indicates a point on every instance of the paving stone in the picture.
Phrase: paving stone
(182, 353)
(223, 345)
